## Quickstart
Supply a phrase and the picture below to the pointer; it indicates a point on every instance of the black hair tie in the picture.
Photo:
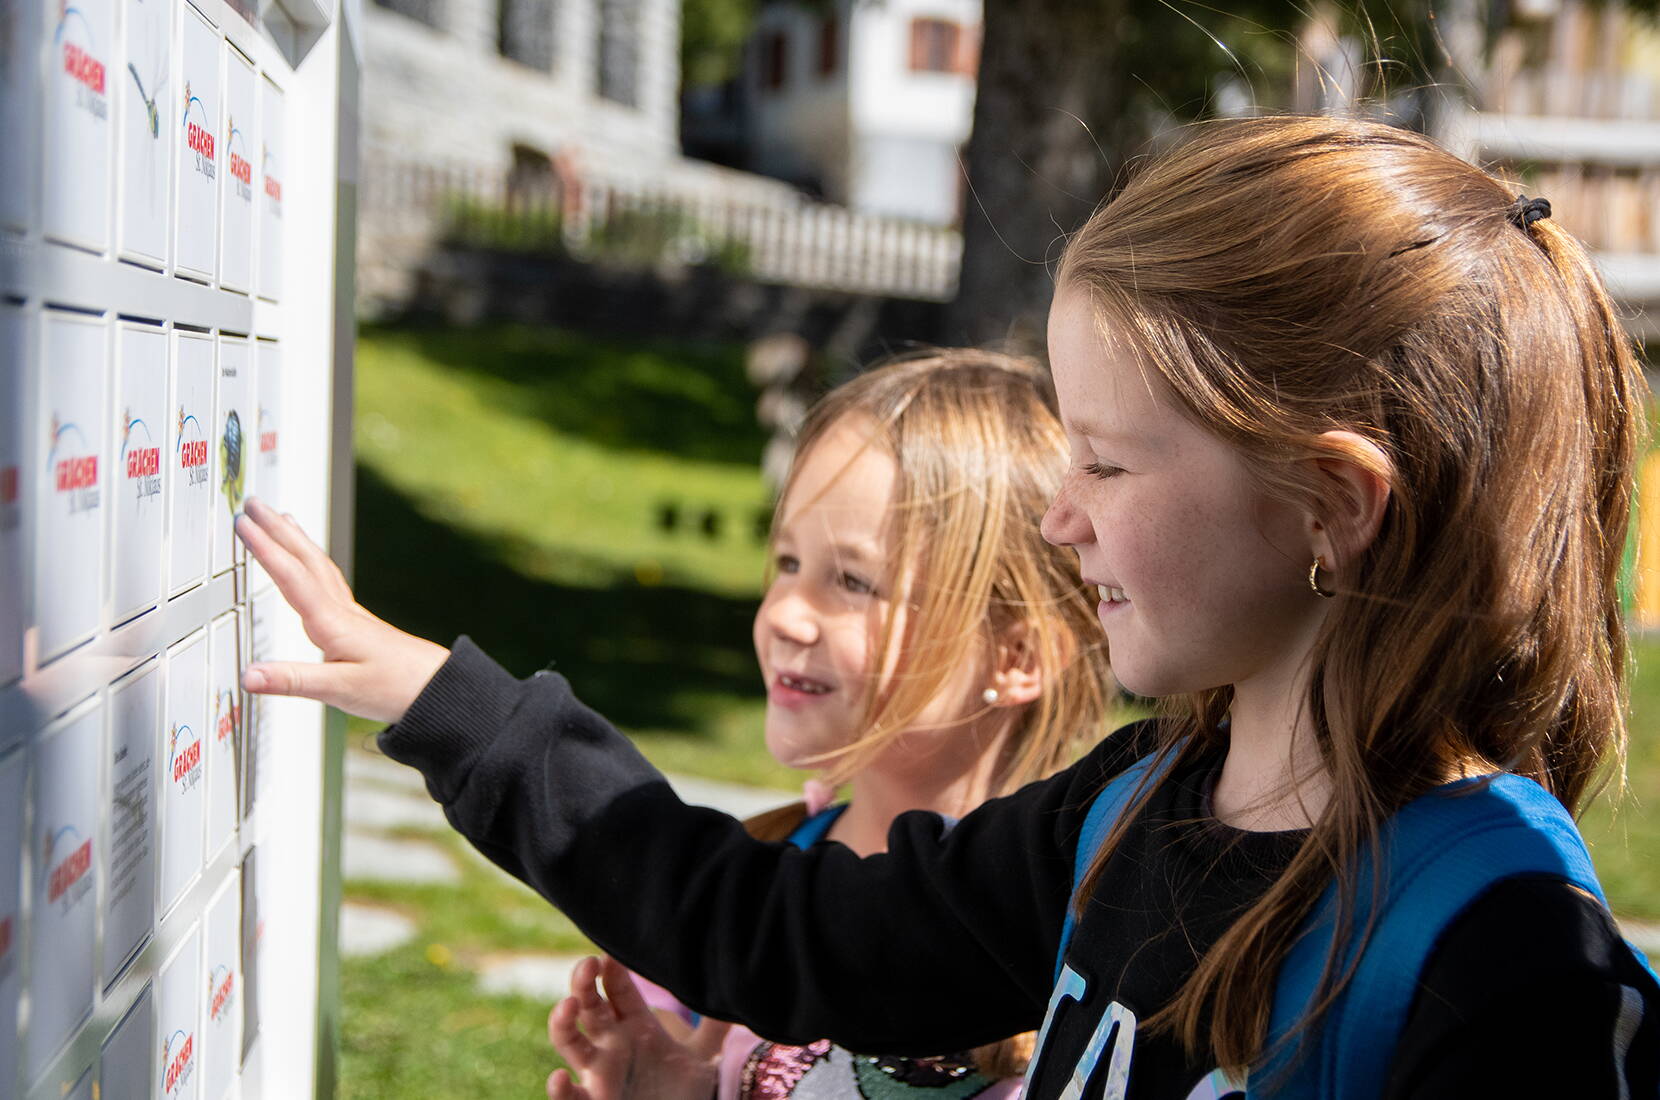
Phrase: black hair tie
(1525, 211)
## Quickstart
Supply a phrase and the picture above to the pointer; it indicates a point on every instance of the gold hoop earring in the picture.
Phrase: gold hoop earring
(1314, 578)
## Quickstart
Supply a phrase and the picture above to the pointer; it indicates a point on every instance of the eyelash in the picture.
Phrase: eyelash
(1100, 470)
(788, 563)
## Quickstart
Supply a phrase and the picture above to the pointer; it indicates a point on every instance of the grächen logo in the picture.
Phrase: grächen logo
(198, 136)
(227, 715)
(142, 459)
(11, 489)
(80, 62)
(221, 988)
(267, 438)
(242, 170)
(66, 863)
(184, 757)
(192, 452)
(273, 185)
(74, 470)
(178, 1056)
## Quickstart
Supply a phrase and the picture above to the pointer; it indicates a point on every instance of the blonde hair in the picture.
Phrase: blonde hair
(1288, 276)
(978, 453)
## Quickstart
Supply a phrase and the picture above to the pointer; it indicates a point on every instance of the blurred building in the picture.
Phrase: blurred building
(866, 105)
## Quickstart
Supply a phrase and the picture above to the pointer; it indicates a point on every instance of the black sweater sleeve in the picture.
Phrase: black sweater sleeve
(1531, 993)
(946, 941)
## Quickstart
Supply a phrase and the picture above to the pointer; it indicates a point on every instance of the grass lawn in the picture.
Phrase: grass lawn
(511, 484)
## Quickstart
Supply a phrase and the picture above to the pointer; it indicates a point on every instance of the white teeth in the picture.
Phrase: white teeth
(1109, 594)
(807, 686)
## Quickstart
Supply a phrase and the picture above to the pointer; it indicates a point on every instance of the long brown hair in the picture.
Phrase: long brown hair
(979, 452)
(1289, 276)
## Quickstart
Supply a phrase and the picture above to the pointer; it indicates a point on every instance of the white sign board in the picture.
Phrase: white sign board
(184, 726)
(178, 1016)
(126, 1066)
(146, 130)
(11, 913)
(79, 79)
(241, 134)
(71, 486)
(63, 906)
(142, 438)
(195, 118)
(233, 424)
(191, 483)
(130, 839)
(14, 360)
(272, 143)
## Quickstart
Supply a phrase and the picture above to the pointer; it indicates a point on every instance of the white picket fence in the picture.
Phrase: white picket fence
(770, 235)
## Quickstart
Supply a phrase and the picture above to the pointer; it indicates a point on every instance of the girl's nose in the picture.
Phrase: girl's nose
(1063, 523)
(790, 618)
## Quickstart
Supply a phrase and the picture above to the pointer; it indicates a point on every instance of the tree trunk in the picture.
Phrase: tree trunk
(1052, 127)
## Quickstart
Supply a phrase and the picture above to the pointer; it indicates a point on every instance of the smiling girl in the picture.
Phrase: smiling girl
(1353, 429)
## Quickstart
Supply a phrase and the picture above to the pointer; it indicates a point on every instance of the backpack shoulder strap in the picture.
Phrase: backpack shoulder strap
(1104, 811)
(1439, 853)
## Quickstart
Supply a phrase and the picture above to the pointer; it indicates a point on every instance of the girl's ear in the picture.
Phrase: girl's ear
(1017, 674)
(1356, 476)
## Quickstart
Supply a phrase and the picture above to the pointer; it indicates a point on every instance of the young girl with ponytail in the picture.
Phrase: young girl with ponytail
(1353, 429)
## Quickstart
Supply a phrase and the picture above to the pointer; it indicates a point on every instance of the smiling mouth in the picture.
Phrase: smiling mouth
(803, 684)
(1110, 594)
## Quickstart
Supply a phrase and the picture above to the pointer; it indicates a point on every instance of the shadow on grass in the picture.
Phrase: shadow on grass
(681, 398)
(643, 657)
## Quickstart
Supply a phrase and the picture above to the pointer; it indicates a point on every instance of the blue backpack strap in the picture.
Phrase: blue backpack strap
(1441, 852)
(815, 828)
(1109, 805)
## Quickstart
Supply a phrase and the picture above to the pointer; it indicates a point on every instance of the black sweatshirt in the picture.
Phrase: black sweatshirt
(947, 941)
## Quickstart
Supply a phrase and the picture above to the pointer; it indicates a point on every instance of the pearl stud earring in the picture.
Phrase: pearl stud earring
(990, 695)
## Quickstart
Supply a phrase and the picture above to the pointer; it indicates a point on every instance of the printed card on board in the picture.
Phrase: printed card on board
(80, 73)
(126, 1069)
(222, 989)
(11, 913)
(183, 727)
(272, 141)
(233, 426)
(13, 357)
(146, 130)
(130, 839)
(71, 486)
(62, 897)
(194, 447)
(141, 434)
(195, 114)
(241, 135)
(178, 1011)
(19, 111)
(224, 678)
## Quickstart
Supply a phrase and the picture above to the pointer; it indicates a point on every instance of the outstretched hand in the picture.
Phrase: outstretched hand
(618, 1047)
(370, 668)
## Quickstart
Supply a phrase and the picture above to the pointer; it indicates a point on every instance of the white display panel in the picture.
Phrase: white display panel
(63, 906)
(79, 78)
(130, 838)
(191, 483)
(14, 356)
(178, 1016)
(183, 735)
(146, 130)
(222, 991)
(256, 746)
(19, 110)
(11, 914)
(141, 426)
(224, 748)
(70, 490)
(241, 134)
(234, 448)
(197, 216)
(272, 149)
(126, 1068)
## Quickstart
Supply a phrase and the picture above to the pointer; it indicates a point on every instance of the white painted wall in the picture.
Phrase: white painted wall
(800, 131)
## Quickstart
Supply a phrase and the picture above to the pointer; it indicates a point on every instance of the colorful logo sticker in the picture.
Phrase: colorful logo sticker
(227, 715)
(242, 170)
(141, 457)
(178, 1054)
(65, 863)
(74, 469)
(198, 135)
(273, 185)
(192, 449)
(80, 60)
(184, 756)
(221, 987)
